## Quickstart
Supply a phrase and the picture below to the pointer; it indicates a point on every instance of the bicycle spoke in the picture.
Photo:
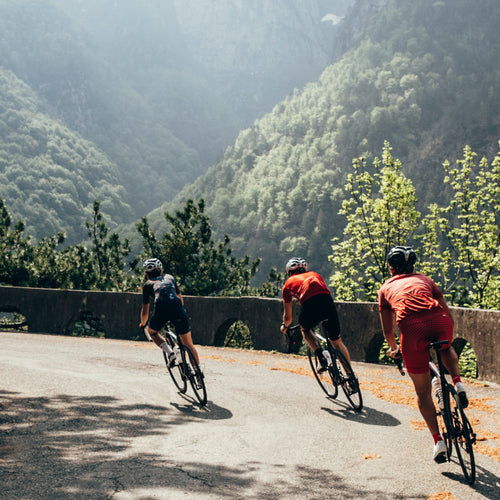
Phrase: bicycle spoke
(463, 438)
(176, 371)
(349, 381)
(326, 379)
(196, 377)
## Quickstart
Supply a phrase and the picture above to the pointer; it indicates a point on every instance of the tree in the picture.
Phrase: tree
(380, 214)
(107, 253)
(188, 252)
(15, 251)
(469, 255)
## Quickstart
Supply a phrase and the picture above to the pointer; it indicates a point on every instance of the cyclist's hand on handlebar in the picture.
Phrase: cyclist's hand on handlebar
(394, 353)
(283, 328)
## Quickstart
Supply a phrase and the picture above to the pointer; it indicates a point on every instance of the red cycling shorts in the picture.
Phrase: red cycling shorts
(417, 331)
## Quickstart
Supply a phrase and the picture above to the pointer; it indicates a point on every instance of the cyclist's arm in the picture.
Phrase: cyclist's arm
(387, 320)
(287, 315)
(144, 315)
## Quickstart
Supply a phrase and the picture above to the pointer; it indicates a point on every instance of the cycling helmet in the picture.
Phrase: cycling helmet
(153, 266)
(296, 264)
(402, 259)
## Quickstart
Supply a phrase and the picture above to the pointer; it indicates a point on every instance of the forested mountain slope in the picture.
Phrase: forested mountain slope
(157, 88)
(424, 76)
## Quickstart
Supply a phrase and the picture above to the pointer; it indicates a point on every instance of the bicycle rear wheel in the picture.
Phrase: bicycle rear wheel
(349, 381)
(176, 371)
(463, 437)
(196, 377)
(444, 423)
(325, 379)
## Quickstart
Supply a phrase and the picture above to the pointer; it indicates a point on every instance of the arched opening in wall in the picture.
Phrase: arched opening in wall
(234, 333)
(88, 325)
(467, 361)
(11, 319)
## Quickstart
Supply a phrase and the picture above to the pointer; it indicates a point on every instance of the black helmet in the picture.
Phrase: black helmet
(296, 264)
(153, 266)
(402, 259)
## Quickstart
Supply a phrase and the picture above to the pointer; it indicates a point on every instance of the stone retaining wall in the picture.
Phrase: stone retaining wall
(57, 311)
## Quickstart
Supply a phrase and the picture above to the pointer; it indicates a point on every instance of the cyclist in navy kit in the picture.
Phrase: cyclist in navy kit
(168, 306)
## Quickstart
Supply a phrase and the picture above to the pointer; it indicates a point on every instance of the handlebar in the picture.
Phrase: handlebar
(398, 360)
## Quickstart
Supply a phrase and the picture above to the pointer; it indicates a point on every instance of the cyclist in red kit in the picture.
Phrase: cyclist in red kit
(316, 306)
(422, 316)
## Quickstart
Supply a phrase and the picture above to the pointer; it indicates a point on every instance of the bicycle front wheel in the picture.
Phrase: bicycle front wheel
(463, 437)
(325, 379)
(196, 377)
(348, 381)
(176, 371)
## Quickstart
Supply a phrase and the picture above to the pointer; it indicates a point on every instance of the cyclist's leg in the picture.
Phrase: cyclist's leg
(156, 323)
(310, 339)
(423, 388)
(187, 340)
(338, 344)
(331, 326)
(450, 360)
(182, 327)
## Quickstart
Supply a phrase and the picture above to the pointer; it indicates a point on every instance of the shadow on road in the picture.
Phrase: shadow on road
(84, 447)
(369, 416)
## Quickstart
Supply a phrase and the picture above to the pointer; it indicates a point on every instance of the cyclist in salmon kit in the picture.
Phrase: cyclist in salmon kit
(422, 316)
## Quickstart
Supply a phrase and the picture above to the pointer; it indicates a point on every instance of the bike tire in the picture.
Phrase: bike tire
(326, 379)
(348, 380)
(463, 438)
(196, 377)
(176, 371)
(444, 423)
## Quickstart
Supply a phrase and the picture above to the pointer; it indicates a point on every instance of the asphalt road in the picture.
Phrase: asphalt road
(97, 419)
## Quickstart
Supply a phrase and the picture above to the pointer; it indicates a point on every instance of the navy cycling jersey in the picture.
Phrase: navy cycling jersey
(161, 287)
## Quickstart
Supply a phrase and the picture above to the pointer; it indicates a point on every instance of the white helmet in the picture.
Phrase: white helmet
(151, 265)
(296, 264)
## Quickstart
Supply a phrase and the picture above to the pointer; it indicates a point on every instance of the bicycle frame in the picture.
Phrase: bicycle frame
(457, 429)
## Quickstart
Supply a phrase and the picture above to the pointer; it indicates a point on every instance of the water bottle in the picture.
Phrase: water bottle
(328, 358)
(178, 355)
(438, 392)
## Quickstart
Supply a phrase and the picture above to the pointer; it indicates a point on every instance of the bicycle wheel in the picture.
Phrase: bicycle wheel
(349, 381)
(463, 437)
(444, 423)
(196, 377)
(326, 379)
(176, 371)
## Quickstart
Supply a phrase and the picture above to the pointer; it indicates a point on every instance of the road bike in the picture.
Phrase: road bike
(338, 373)
(453, 424)
(185, 366)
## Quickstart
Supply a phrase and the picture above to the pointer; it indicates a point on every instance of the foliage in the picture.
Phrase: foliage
(238, 336)
(188, 251)
(380, 214)
(467, 362)
(417, 74)
(459, 242)
(469, 258)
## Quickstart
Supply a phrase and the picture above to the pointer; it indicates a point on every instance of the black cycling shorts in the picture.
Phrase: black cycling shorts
(317, 309)
(169, 310)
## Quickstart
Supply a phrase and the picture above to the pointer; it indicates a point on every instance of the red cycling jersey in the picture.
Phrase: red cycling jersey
(303, 286)
(407, 294)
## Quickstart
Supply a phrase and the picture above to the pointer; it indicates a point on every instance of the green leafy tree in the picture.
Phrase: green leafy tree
(380, 213)
(189, 253)
(468, 259)
(15, 251)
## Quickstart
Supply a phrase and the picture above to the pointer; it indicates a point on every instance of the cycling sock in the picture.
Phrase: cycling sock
(456, 379)
(437, 437)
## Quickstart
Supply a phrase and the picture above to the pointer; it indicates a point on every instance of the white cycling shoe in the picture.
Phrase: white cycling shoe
(440, 453)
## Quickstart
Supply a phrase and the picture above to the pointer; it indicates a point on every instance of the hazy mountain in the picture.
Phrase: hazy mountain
(423, 75)
(160, 88)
